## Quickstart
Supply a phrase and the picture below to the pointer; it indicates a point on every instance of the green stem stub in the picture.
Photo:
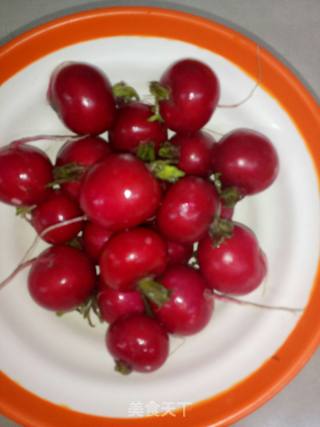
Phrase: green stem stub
(23, 211)
(216, 179)
(122, 367)
(85, 310)
(159, 91)
(66, 173)
(162, 169)
(147, 306)
(75, 243)
(146, 152)
(169, 151)
(230, 196)
(154, 291)
(124, 92)
(220, 230)
(156, 116)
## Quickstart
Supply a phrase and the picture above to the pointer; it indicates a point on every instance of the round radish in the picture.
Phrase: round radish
(138, 343)
(82, 97)
(119, 192)
(61, 278)
(25, 173)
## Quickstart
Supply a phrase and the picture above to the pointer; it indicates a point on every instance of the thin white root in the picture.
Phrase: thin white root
(26, 140)
(60, 225)
(20, 267)
(214, 132)
(227, 298)
(183, 340)
(25, 261)
(253, 90)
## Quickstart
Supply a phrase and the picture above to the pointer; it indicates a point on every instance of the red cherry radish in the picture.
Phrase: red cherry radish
(132, 127)
(194, 152)
(179, 253)
(187, 209)
(119, 192)
(236, 266)
(193, 95)
(190, 306)
(132, 255)
(94, 239)
(247, 160)
(55, 209)
(61, 278)
(82, 152)
(138, 343)
(82, 96)
(25, 173)
(114, 304)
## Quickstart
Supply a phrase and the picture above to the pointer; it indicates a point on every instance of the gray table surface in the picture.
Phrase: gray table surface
(292, 29)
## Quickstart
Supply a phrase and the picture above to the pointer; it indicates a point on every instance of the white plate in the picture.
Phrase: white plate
(65, 361)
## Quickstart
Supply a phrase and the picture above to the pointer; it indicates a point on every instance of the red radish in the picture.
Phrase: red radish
(119, 192)
(82, 97)
(187, 209)
(132, 127)
(137, 342)
(114, 304)
(82, 152)
(94, 239)
(190, 306)
(61, 278)
(194, 152)
(55, 209)
(247, 160)
(193, 93)
(236, 266)
(25, 173)
(179, 253)
(132, 255)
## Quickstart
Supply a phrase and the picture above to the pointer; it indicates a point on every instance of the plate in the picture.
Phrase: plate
(56, 370)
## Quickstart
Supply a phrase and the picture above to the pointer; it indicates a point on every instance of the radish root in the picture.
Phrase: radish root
(255, 87)
(214, 132)
(26, 140)
(25, 261)
(227, 298)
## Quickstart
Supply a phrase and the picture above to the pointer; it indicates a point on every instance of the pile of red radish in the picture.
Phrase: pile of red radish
(140, 226)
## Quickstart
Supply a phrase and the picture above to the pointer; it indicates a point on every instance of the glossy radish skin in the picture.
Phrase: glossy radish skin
(114, 304)
(132, 128)
(195, 152)
(138, 341)
(119, 192)
(84, 152)
(132, 255)
(194, 93)
(56, 209)
(247, 160)
(25, 172)
(82, 97)
(236, 266)
(61, 278)
(191, 304)
(188, 209)
(178, 253)
(94, 239)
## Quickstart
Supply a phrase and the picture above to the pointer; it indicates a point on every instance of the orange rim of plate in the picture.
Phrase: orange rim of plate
(246, 396)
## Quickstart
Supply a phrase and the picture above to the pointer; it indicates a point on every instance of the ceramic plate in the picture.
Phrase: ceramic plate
(56, 371)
